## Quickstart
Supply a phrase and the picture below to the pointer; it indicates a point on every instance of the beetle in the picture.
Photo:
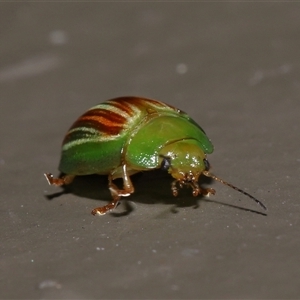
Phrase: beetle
(127, 135)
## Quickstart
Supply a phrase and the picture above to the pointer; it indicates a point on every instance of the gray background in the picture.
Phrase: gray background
(234, 67)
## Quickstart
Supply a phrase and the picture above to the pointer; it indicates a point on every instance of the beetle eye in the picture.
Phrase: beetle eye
(166, 163)
(206, 164)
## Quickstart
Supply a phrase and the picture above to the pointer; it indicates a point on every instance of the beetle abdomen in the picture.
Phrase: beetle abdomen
(95, 141)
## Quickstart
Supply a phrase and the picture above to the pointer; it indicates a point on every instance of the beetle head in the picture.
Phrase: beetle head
(185, 161)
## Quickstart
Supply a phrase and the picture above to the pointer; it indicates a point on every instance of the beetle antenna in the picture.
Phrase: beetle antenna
(206, 173)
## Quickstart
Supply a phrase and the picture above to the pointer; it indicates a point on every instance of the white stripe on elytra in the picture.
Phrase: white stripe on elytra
(97, 137)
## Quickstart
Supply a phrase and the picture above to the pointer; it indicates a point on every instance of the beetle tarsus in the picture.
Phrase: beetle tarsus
(207, 192)
(106, 208)
(67, 179)
(175, 192)
(116, 193)
(174, 188)
(197, 190)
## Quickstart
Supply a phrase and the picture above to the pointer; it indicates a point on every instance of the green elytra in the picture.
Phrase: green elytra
(138, 146)
(127, 135)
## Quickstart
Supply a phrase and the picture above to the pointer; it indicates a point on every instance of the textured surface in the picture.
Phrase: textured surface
(234, 68)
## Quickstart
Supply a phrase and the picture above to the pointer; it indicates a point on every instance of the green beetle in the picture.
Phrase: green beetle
(126, 135)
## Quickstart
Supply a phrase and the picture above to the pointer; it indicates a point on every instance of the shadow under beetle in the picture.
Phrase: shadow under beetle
(127, 135)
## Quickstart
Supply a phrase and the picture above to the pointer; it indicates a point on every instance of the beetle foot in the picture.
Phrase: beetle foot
(59, 181)
(106, 208)
(196, 192)
(116, 193)
(196, 189)
(175, 192)
(207, 192)
(174, 188)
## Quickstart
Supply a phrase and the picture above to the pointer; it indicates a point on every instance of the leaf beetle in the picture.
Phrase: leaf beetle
(127, 135)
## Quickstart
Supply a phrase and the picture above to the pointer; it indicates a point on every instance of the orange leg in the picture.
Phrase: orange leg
(67, 179)
(116, 193)
(207, 192)
(197, 190)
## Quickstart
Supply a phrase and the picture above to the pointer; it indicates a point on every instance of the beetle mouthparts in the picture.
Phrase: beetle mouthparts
(197, 190)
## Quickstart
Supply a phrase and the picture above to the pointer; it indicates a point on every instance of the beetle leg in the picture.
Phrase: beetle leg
(174, 188)
(196, 188)
(116, 193)
(207, 192)
(67, 179)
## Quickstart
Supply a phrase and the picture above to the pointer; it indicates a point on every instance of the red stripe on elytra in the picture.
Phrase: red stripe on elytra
(123, 105)
(126, 103)
(102, 128)
(106, 122)
(140, 102)
(105, 116)
(100, 125)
